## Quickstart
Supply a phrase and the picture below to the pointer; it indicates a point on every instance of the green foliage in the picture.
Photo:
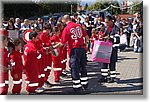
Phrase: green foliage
(138, 8)
(103, 4)
(100, 5)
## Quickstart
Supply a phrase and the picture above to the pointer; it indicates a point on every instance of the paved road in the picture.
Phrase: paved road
(129, 75)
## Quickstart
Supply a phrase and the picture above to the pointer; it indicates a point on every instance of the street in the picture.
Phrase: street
(129, 78)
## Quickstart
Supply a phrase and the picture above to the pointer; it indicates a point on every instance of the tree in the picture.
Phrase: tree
(101, 4)
(138, 8)
(86, 6)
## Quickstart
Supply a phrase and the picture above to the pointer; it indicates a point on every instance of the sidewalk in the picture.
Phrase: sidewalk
(129, 75)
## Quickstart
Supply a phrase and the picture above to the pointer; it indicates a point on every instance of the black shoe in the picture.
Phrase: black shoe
(102, 79)
(85, 87)
(32, 93)
(111, 80)
(64, 74)
(79, 91)
(48, 84)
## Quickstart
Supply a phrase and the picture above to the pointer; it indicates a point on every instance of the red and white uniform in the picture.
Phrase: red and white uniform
(31, 66)
(63, 53)
(76, 38)
(41, 73)
(93, 38)
(47, 57)
(17, 65)
(4, 74)
(57, 65)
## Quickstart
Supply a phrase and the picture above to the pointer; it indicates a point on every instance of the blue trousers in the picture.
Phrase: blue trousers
(78, 66)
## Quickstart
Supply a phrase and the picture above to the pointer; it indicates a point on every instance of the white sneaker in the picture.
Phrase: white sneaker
(39, 90)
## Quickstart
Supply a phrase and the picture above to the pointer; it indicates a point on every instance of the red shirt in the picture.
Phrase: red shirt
(109, 29)
(73, 34)
(16, 61)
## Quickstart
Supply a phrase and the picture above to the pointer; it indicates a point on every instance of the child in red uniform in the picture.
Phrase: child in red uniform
(93, 37)
(47, 57)
(57, 65)
(101, 34)
(31, 57)
(41, 63)
(63, 50)
(16, 63)
(4, 65)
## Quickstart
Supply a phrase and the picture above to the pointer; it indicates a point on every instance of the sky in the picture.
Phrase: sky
(89, 2)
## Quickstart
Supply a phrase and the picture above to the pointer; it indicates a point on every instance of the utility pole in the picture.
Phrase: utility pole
(71, 8)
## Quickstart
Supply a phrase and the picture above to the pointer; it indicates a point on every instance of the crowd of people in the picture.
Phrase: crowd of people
(51, 44)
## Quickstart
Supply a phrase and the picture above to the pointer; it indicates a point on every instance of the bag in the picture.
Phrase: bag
(101, 51)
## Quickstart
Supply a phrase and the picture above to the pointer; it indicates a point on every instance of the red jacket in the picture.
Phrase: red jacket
(45, 39)
(56, 39)
(5, 59)
(31, 57)
(16, 62)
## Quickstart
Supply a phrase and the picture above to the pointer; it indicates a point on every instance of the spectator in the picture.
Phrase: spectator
(79, 21)
(10, 25)
(134, 26)
(17, 24)
(118, 22)
(74, 19)
(26, 25)
(39, 24)
(138, 44)
(52, 22)
(99, 24)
